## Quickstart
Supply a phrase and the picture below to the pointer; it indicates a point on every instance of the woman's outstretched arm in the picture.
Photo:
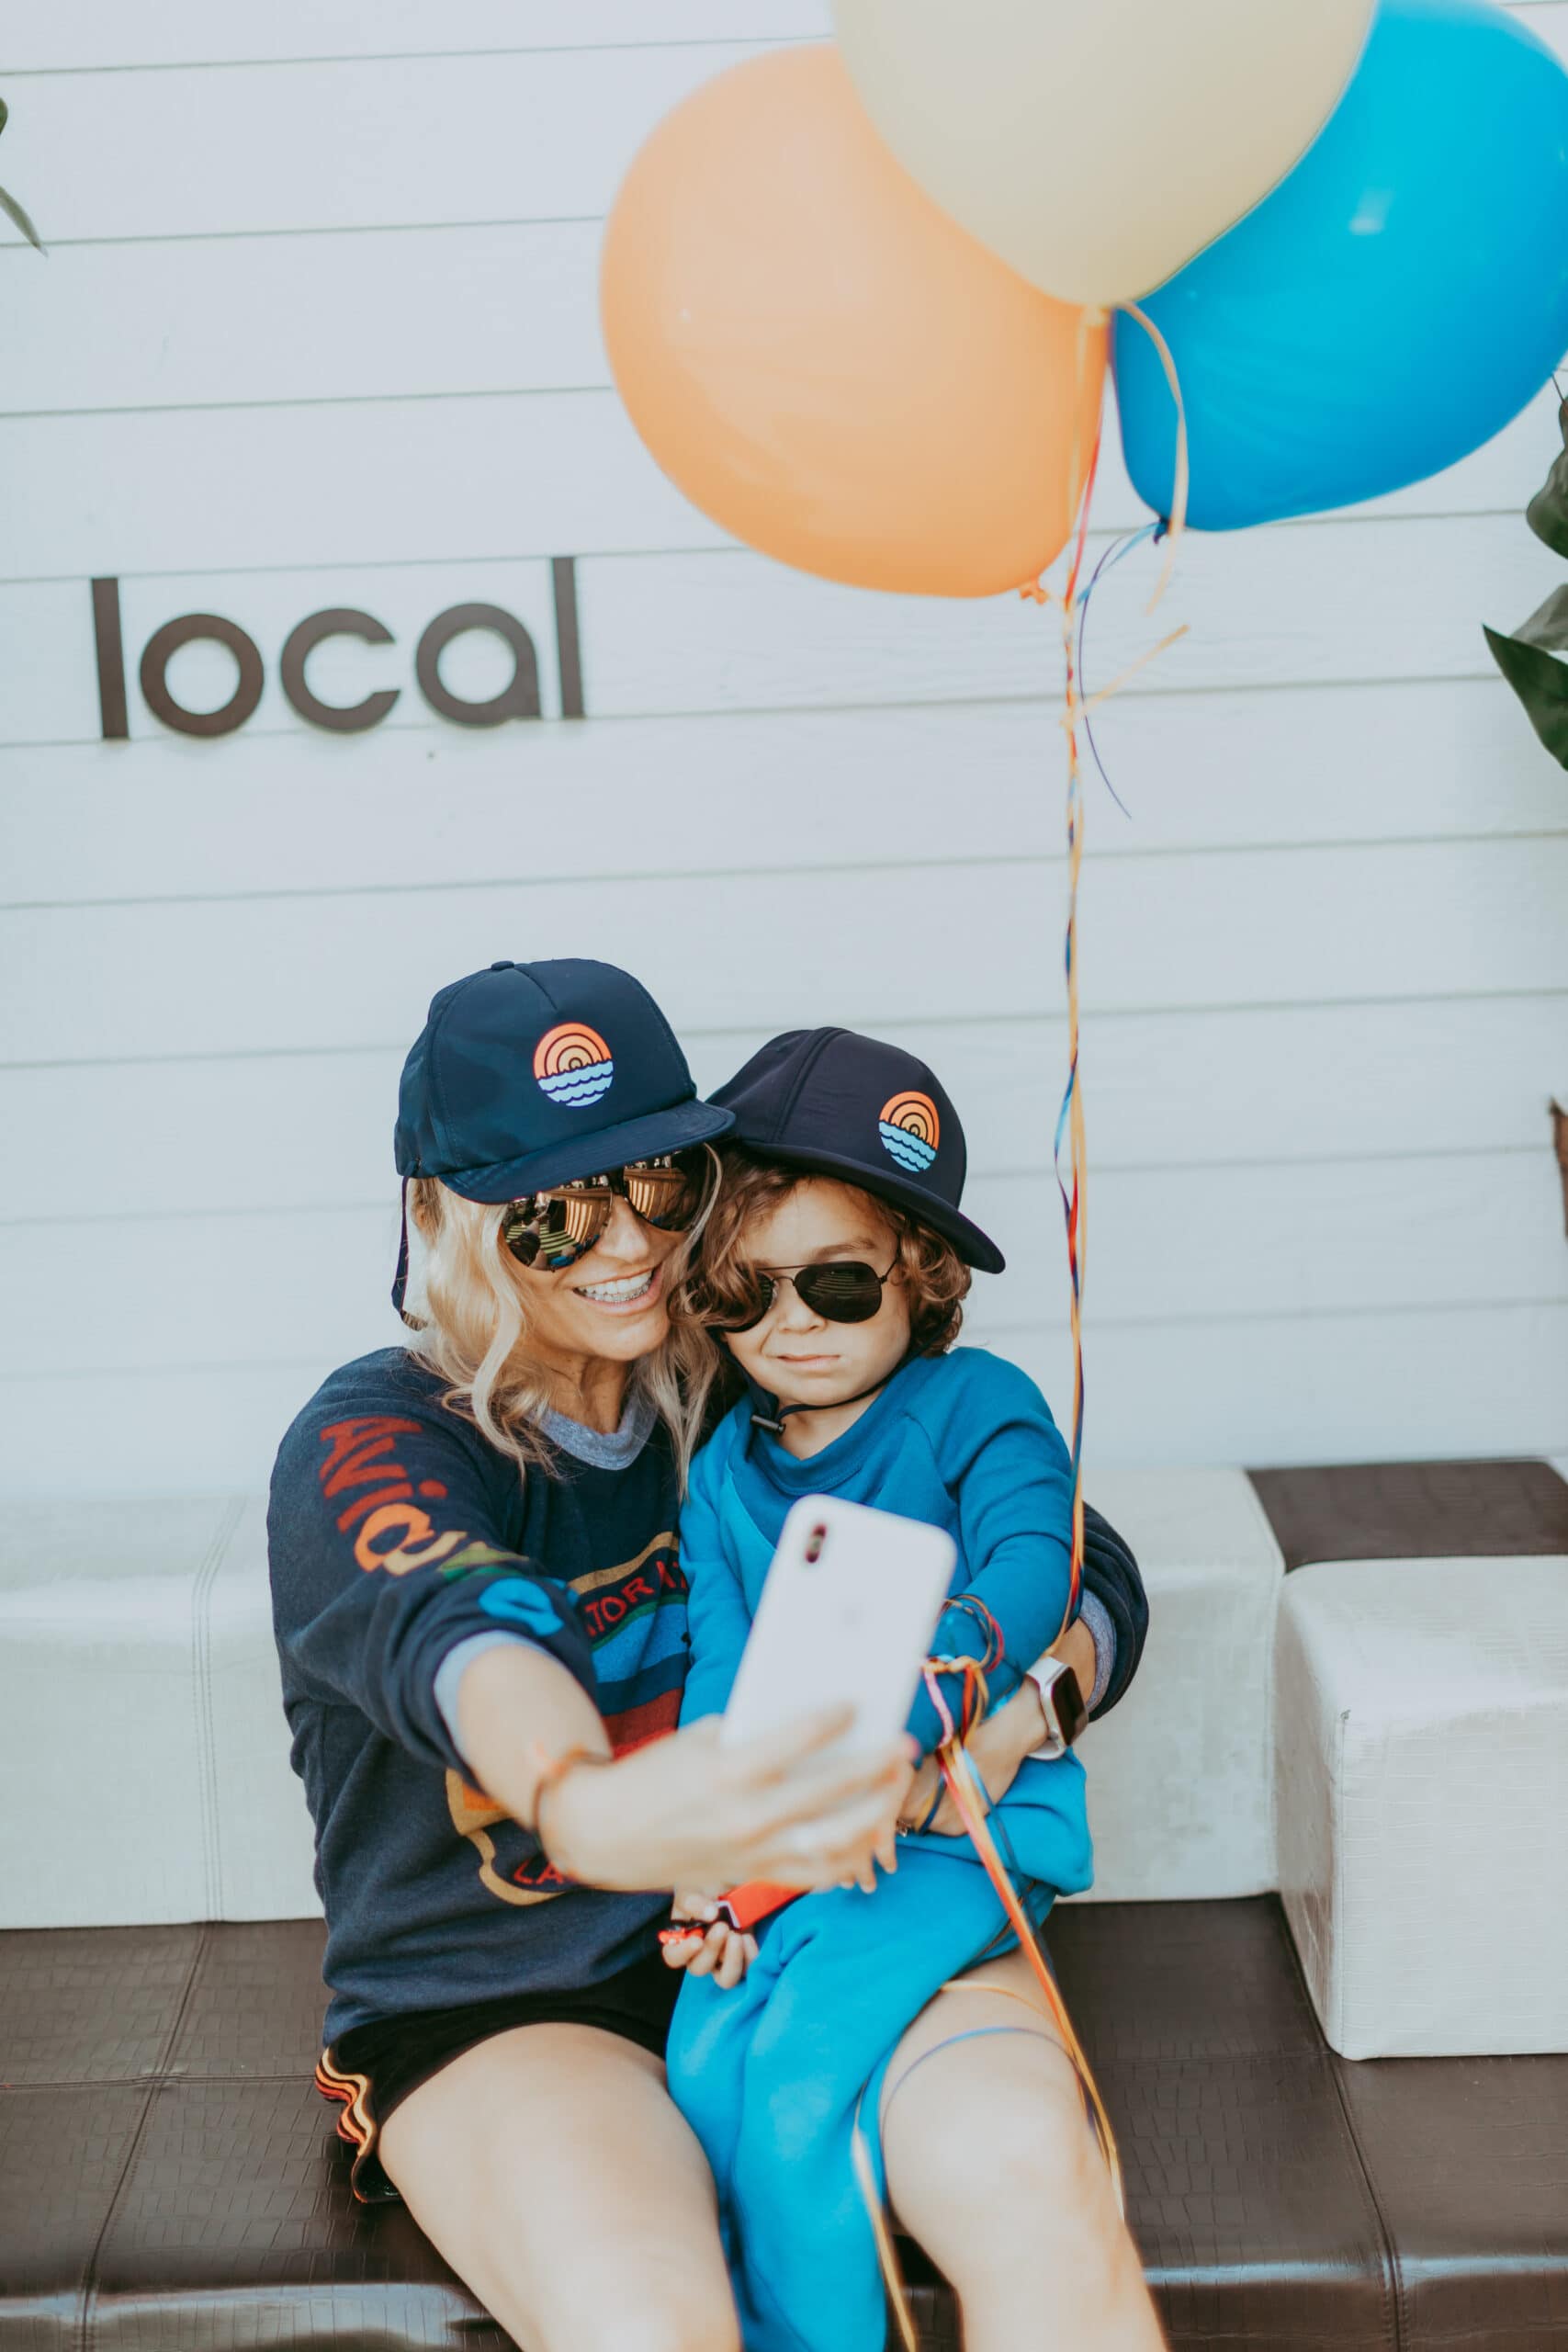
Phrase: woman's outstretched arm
(683, 1811)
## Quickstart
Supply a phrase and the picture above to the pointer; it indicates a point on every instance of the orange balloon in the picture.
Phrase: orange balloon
(824, 362)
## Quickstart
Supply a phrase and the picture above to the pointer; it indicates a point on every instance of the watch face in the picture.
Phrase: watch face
(1066, 1705)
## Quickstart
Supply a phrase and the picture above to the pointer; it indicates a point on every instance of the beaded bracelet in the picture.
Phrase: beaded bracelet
(995, 1642)
(977, 1699)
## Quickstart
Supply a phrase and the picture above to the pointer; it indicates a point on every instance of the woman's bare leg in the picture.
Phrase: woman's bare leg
(992, 2166)
(551, 2167)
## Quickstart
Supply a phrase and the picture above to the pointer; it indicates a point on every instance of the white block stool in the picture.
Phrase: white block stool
(1180, 1774)
(1421, 1787)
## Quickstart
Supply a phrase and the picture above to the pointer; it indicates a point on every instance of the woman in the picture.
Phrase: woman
(480, 1615)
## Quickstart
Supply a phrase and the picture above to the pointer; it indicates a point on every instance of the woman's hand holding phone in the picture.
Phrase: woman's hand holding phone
(795, 1805)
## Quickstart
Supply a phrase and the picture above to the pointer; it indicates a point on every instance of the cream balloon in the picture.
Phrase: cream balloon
(1098, 146)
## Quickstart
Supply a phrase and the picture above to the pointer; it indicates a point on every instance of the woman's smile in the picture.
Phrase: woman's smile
(626, 1294)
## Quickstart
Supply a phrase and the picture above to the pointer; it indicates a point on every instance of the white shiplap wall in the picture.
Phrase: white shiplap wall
(318, 327)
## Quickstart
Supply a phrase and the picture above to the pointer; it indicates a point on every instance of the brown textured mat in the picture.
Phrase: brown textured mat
(1182, 1980)
(1415, 1510)
(236, 2225)
(1469, 2157)
(91, 2005)
(184, 2191)
(1244, 2189)
(255, 2002)
(63, 2154)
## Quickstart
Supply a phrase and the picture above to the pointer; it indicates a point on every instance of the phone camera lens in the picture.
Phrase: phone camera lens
(813, 1543)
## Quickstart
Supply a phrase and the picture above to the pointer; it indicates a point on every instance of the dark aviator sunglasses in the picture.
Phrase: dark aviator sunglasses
(842, 1291)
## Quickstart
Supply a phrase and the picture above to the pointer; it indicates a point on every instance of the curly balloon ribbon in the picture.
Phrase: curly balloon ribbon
(969, 1604)
(965, 1787)
(1069, 1118)
(1109, 558)
(1176, 521)
(964, 1783)
(887, 2251)
(1070, 1128)
(972, 1802)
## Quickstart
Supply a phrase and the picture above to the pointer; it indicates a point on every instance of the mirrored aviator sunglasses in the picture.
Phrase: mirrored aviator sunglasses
(553, 1229)
(844, 1291)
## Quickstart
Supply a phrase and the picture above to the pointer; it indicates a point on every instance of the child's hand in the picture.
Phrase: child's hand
(725, 1954)
(721, 1951)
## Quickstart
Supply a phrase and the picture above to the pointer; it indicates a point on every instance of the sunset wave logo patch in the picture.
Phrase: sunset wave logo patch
(910, 1131)
(573, 1064)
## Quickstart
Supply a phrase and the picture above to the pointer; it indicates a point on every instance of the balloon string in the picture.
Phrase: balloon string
(1035, 591)
(1176, 521)
(1070, 1118)
(1120, 679)
(956, 1769)
(1090, 321)
(972, 1802)
(965, 1787)
(886, 2252)
(1108, 562)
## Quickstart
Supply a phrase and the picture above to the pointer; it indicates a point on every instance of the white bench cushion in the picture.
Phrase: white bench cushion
(139, 1695)
(142, 1744)
(1421, 1801)
(265, 1855)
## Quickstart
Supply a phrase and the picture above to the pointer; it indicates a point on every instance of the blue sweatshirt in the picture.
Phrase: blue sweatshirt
(771, 2074)
(964, 1442)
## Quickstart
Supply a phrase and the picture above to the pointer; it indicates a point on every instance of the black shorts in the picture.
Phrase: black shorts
(370, 2070)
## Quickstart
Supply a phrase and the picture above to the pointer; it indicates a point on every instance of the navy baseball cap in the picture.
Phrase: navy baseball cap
(833, 1104)
(529, 1075)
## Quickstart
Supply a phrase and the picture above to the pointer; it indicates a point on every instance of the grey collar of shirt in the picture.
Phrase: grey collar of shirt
(604, 1449)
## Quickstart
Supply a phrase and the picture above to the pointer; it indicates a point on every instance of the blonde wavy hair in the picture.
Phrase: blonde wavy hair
(475, 1337)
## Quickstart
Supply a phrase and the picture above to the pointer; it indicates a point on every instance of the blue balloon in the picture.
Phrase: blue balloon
(1398, 297)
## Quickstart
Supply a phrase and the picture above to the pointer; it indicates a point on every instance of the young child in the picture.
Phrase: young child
(831, 1271)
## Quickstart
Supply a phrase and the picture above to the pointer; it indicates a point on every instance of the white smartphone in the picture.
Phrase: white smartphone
(846, 1619)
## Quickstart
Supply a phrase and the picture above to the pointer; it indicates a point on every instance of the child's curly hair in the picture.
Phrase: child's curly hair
(935, 1279)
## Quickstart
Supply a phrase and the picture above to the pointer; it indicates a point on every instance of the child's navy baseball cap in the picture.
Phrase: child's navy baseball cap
(526, 1076)
(833, 1104)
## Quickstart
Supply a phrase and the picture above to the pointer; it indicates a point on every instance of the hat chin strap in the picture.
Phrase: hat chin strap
(401, 1279)
(776, 1415)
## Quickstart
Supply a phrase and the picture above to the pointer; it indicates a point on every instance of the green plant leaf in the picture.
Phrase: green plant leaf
(1547, 625)
(14, 212)
(1540, 682)
(9, 204)
(1547, 512)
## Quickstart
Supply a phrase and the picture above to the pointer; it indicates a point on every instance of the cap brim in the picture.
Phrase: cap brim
(591, 1154)
(975, 1249)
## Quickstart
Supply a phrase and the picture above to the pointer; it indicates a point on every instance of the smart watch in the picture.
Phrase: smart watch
(1062, 1700)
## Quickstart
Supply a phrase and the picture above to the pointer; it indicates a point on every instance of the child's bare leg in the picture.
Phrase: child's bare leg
(992, 2166)
(551, 2169)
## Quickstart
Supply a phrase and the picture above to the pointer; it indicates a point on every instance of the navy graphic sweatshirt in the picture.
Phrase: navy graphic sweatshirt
(396, 1532)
